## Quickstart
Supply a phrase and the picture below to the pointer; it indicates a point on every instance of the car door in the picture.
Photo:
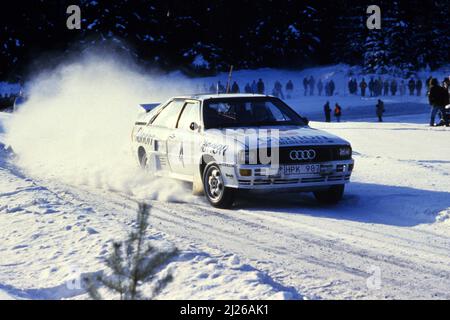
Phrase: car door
(164, 126)
(184, 143)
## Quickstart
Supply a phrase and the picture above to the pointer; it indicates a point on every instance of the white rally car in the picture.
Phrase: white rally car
(229, 143)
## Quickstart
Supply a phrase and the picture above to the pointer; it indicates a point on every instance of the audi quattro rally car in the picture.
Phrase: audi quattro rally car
(228, 143)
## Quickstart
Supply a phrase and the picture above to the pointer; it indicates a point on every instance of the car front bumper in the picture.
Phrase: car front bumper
(336, 173)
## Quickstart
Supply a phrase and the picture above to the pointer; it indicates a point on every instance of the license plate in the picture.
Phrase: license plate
(301, 169)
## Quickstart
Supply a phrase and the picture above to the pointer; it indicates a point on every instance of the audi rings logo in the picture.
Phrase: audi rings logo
(302, 155)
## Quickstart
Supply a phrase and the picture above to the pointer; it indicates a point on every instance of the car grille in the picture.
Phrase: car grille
(323, 154)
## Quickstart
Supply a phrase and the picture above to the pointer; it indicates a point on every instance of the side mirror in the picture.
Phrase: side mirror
(306, 120)
(193, 126)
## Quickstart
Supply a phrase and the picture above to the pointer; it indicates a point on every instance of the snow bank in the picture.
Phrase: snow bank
(77, 123)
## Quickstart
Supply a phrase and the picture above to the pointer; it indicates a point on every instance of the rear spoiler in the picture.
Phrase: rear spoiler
(149, 106)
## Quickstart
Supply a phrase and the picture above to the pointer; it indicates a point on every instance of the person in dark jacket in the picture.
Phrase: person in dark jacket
(338, 112)
(327, 111)
(419, 85)
(394, 87)
(305, 85)
(260, 87)
(411, 86)
(332, 87)
(350, 86)
(380, 110)
(320, 87)
(363, 86)
(438, 98)
(378, 87)
(289, 89)
(248, 88)
(254, 87)
(279, 88)
(235, 88)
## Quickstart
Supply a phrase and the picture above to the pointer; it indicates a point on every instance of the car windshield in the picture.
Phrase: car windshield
(248, 112)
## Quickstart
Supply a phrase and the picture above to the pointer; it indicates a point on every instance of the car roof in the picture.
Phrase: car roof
(208, 96)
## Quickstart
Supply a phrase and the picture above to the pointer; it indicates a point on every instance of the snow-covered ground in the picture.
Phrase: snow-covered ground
(389, 238)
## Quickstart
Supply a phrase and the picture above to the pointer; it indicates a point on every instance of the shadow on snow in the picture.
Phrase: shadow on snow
(363, 202)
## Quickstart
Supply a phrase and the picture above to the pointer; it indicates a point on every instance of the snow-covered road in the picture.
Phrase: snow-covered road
(389, 238)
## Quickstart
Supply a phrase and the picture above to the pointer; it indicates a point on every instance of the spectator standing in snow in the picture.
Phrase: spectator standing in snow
(279, 87)
(380, 110)
(363, 86)
(260, 87)
(332, 87)
(320, 87)
(438, 98)
(375, 87)
(312, 85)
(254, 87)
(338, 112)
(386, 87)
(402, 88)
(235, 88)
(419, 85)
(212, 88)
(411, 86)
(371, 86)
(355, 86)
(394, 87)
(220, 87)
(327, 111)
(305, 85)
(350, 86)
(248, 88)
(289, 89)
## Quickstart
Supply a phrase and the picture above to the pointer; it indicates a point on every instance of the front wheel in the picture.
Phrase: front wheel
(217, 194)
(332, 195)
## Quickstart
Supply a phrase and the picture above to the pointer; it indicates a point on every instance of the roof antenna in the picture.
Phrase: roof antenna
(230, 74)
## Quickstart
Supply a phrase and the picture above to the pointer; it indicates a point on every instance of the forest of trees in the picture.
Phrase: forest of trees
(200, 36)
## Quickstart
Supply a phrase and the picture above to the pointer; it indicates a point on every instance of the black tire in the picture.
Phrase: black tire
(217, 194)
(330, 196)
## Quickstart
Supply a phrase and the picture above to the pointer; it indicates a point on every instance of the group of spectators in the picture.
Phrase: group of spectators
(379, 87)
(309, 85)
(279, 90)
(337, 111)
(375, 87)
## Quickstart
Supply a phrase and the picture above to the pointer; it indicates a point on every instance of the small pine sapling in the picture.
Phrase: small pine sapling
(132, 263)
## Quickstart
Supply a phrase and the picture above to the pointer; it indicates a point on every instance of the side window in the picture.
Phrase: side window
(191, 113)
(169, 115)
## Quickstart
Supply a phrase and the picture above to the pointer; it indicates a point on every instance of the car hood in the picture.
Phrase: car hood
(284, 136)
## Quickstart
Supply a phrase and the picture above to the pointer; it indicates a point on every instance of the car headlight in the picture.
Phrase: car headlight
(345, 152)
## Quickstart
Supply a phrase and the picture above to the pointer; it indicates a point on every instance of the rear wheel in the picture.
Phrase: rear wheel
(217, 194)
(332, 195)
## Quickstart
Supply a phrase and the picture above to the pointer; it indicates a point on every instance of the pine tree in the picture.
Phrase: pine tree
(133, 263)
